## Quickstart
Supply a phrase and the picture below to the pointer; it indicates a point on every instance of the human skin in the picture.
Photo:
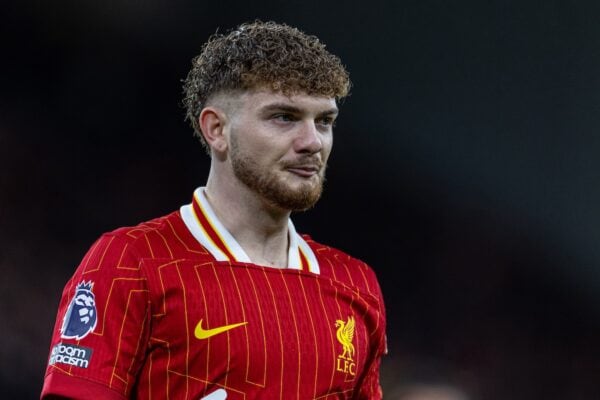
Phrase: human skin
(269, 153)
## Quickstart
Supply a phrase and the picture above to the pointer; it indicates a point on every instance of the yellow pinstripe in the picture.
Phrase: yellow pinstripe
(205, 313)
(187, 329)
(366, 281)
(208, 383)
(85, 270)
(331, 338)
(121, 257)
(166, 371)
(312, 324)
(262, 327)
(119, 340)
(149, 246)
(297, 335)
(137, 346)
(279, 330)
(162, 286)
(100, 332)
(231, 271)
(184, 244)
(226, 319)
(348, 273)
(166, 243)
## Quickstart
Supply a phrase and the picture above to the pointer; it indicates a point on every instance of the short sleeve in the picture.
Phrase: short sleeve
(369, 387)
(102, 327)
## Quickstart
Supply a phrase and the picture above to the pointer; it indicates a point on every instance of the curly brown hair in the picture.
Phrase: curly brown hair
(262, 54)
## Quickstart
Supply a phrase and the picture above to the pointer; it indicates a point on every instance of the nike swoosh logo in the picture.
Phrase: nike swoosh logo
(202, 333)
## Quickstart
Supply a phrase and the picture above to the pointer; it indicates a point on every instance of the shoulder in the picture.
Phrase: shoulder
(136, 233)
(344, 268)
(332, 254)
(163, 237)
(122, 254)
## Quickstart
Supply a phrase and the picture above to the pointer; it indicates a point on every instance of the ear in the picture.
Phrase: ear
(212, 122)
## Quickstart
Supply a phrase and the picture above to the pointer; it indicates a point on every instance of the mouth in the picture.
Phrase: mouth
(305, 171)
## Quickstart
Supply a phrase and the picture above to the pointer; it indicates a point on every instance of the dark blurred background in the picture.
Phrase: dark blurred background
(465, 171)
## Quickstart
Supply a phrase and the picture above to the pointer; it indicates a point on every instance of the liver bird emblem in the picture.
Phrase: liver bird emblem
(345, 335)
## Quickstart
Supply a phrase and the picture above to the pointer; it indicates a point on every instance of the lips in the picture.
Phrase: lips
(304, 171)
(304, 167)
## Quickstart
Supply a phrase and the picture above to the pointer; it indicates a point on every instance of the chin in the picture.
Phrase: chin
(299, 198)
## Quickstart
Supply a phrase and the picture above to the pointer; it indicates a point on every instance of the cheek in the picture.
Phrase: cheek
(266, 152)
(246, 142)
(327, 146)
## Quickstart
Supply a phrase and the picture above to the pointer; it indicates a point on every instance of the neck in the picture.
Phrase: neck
(259, 228)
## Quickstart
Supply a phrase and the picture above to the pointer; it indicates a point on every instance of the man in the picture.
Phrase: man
(223, 299)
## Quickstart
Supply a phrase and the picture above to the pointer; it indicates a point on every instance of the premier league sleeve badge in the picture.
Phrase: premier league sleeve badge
(81, 316)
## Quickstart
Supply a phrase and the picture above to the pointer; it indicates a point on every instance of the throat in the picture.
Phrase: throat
(269, 254)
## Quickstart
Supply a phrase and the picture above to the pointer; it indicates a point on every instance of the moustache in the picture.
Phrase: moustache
(305, 162)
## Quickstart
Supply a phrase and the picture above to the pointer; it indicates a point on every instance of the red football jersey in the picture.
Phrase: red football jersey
(174, 309)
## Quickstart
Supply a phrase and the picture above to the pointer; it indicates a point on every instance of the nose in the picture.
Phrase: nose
(309, 139)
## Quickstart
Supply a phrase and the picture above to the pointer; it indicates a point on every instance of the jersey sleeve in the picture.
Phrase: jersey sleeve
(369, 388)
(102, 327)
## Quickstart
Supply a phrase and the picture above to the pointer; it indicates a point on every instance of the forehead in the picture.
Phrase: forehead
(266, 99)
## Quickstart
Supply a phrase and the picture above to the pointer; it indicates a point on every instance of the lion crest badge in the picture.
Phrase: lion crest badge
(81, 316)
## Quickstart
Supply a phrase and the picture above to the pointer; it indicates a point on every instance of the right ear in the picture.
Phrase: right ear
(212, 121)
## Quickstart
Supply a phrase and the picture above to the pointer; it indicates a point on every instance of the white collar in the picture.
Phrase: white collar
(204, 225)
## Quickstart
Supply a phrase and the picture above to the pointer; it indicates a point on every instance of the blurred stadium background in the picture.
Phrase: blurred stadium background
(465, 171)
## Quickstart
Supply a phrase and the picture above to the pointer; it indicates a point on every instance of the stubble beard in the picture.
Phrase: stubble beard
(272, 187)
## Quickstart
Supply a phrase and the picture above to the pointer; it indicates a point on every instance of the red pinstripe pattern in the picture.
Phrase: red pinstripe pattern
(154, 283)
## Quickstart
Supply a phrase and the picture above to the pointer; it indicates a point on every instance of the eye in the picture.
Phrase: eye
(283, 117)
(326, 122)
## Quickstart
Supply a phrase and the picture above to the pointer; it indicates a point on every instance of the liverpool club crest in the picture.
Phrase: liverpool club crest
(345, 335)
(80, 318)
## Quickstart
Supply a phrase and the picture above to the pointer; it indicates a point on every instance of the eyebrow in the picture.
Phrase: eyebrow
(296, 110)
